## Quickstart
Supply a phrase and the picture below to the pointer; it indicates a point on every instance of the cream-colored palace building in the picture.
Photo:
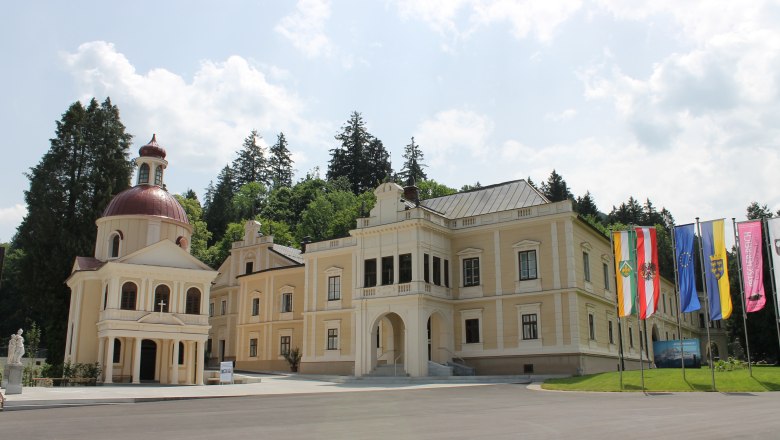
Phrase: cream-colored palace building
(496, 280)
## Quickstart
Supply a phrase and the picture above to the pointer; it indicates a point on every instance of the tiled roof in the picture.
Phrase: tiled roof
(88, 263)
(495, 198)
(291, 253)
(146, 200)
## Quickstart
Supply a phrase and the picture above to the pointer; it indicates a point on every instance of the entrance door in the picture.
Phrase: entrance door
(148, 360)
(222, 350)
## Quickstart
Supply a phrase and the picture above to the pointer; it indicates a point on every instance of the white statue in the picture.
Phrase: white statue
(16, 349)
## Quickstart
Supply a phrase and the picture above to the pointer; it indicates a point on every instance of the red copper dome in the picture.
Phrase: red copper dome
(152, 149)
(146, 200)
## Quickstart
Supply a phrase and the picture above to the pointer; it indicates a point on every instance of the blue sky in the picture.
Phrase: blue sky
(675, 101)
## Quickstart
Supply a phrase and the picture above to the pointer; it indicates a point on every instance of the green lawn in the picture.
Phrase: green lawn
(764, 379)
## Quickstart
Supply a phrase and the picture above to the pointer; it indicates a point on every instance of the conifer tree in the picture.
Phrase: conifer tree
(361, 158)
(219, 212)
(251, 165)
(86, 165)
(586, 206)
(280, 169)
(412, 170)
(555, 189)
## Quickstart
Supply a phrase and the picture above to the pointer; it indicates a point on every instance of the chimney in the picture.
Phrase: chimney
(306, 240)
(412, 194)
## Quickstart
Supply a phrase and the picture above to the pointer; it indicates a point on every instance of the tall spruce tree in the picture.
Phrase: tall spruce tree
(280, 163)
(251, 165)
(412, 170)
(555, 188)
(219, 211)
(586, 206)
(361, 158)
(86, 166)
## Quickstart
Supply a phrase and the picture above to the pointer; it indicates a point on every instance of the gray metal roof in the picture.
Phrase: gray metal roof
(494, 198)
(291, 253)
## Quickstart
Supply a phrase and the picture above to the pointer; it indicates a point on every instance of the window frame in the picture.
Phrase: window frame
(143, 174)
(191, 307)
(122, 296)
(530, 255)
(286, 305)
(334, 287)
(388, 270)
(468, 315)
(405, 268)
(369, 272)
(255, 306)
(529, 322)
(253, 347)
(332, 339)
(471, 272)
(285, 344)
(158, 297)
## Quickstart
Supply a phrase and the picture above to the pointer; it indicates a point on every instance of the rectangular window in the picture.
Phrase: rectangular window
(630, 337)
(255, 306)
(426, 268)
(369, 273)
(287, 305)
(211, 309)
(248, 268)
(611, 335)
(284, 345)
(387, 271)
(527, 265)
(333, 339)
(208, 347)
(405, 268)
(605, 268)
(334, 288)
(470, 272)
(223, 307)
(530, 330)
(586, 265)
(472, 331)
(663, 300)
(447, 273)
(253, 348)
(591, 327)
(437, 271)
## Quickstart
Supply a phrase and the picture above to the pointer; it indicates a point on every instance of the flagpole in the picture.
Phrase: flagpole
(706, 304)
(638, 328)
(772, 274)
(617, 309)
(679, 307)
(742, 292)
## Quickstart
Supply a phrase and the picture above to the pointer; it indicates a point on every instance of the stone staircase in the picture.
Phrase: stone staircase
(389, 370)
(436, 369)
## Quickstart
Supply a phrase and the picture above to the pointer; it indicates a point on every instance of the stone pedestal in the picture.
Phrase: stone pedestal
(5, 376)
(14, 385)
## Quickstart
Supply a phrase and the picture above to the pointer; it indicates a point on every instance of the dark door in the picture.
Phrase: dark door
(148, 359)
(222, 350)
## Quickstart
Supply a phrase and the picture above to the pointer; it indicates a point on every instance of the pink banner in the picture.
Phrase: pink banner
(752, 264)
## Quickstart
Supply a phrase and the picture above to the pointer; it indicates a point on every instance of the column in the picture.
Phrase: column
(101, 353)
(175, 369)
(199, 362)
(137, 361)
(188, 356)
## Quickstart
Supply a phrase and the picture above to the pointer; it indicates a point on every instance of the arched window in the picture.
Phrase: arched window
(129, 293)
(117, 351)
(143, 174)
(162, 298)
(193, 301)
(158, 175)
(115, 241)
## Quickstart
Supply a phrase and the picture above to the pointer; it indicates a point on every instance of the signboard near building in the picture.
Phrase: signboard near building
(666, 354)
(226, 372)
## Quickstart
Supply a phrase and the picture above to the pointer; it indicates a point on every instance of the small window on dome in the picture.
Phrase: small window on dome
(143, 174)
(158, 175)
(114, 244)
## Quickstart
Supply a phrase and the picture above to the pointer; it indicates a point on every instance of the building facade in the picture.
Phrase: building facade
(139, 304)
(497, 279)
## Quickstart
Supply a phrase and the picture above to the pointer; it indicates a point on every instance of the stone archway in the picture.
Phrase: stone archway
(388, 341)
(438, 338)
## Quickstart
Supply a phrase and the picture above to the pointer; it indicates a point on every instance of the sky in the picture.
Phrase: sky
(678, 102)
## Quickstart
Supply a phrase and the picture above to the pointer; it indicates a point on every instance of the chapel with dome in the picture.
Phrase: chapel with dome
(139, 304)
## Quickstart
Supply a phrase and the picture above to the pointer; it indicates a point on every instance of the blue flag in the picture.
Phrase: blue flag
(683, 252)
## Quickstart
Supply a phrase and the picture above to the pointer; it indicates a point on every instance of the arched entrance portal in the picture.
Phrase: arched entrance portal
(388, 336)
(148, 360)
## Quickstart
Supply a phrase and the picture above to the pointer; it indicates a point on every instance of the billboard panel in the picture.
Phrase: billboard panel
(666, 354)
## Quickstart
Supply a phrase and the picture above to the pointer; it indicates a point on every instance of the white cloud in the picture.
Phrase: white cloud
(562, 116)
(451, 134)
(305, 28)
(201, 122)
(458, 19)
(10, 218)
